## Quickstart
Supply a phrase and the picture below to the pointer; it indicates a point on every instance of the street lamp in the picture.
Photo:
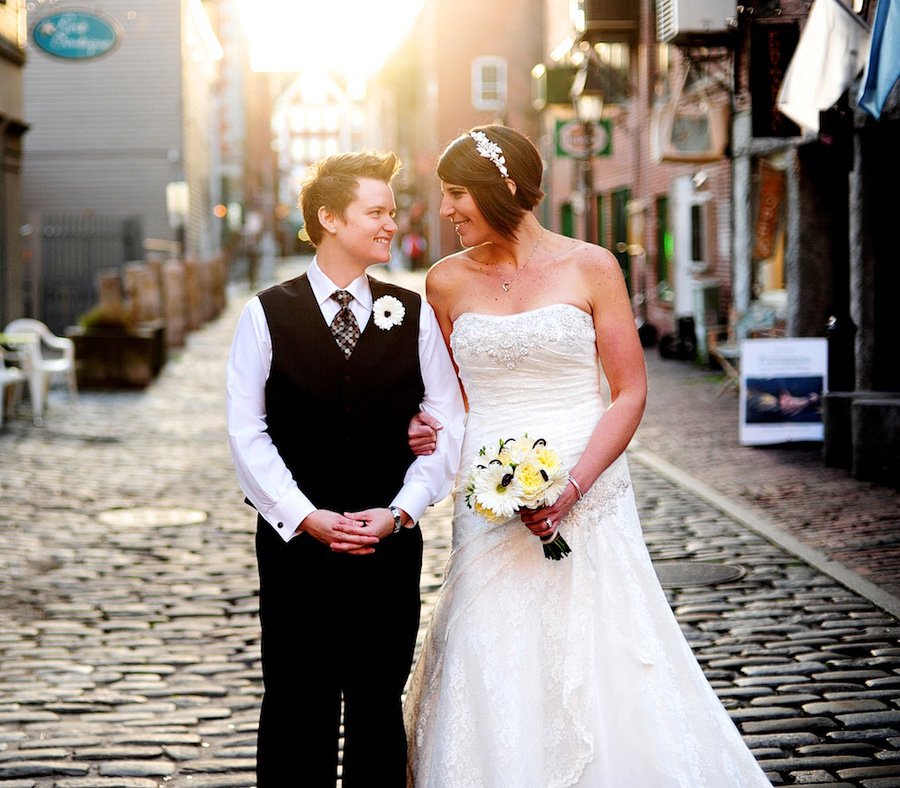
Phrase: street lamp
(587, 98)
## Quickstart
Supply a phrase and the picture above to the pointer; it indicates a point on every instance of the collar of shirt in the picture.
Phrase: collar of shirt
(323, 287)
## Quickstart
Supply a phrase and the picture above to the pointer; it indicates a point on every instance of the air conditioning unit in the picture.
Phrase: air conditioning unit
(686, 21)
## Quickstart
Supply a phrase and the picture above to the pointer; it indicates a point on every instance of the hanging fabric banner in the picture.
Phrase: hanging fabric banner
(830, 55)
(883, 64)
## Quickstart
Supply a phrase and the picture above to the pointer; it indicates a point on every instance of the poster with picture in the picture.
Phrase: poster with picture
(782, 384)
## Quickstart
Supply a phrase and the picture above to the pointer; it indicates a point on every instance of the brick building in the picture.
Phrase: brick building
(465, 63)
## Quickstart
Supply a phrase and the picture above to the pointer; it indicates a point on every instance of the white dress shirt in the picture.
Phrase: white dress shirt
(261, 472)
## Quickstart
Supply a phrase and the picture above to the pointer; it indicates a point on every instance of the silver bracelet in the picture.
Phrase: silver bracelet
(577, 486)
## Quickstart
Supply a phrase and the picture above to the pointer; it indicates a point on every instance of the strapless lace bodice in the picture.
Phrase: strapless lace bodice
(533, 372)
(560, 334)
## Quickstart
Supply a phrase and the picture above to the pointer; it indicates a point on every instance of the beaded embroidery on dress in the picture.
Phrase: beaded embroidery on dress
(545, 674)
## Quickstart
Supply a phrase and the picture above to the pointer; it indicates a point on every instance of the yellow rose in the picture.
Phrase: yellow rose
(487, 514)
(532, 482)
(548, 458)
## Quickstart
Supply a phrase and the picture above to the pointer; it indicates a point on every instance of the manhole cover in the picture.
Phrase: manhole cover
(675, 574)
(151, 516)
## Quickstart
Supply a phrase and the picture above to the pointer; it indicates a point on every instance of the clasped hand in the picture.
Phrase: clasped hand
(543, 522)
(354, 533)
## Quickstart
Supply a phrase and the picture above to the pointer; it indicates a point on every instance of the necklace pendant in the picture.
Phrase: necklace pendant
(506, 286)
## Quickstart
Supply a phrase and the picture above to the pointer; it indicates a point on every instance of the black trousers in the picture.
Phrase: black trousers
(335, 627)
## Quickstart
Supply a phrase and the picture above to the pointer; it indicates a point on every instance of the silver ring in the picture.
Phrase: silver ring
(549, 522)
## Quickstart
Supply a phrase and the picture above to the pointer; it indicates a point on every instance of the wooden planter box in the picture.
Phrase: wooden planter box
(107, 358)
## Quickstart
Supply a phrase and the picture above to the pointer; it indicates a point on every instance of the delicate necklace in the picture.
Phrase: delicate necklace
(508, 284)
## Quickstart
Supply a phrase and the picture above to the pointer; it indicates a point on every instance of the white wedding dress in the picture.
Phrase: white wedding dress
(539, 673)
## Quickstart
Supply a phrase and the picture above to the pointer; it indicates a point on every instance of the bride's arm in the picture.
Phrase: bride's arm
(623, 363)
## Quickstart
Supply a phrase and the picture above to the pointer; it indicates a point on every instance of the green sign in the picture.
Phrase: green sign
(572, 138)
(75, 35)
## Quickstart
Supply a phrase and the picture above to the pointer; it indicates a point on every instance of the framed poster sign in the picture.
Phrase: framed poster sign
(782, 383)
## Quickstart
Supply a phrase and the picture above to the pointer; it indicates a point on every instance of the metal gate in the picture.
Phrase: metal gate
(66, 252)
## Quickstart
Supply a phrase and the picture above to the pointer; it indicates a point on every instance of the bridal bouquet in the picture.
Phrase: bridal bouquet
(515, 474)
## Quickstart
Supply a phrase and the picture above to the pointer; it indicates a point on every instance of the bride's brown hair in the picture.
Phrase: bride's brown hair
(463, 165)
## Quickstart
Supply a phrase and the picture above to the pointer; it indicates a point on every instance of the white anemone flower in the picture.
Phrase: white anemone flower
(558, 479)
(388, 312)
(516, 451)
(504, 500)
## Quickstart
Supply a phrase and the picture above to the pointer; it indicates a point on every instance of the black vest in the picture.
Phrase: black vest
(340, 424)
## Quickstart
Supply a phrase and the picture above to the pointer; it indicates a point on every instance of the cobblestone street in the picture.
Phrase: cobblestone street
(129, 642)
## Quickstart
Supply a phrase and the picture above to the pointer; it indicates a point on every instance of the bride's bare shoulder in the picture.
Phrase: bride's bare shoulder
(585, 260)
(448, 272)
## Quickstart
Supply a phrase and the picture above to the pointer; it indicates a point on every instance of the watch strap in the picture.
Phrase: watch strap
(398, 518)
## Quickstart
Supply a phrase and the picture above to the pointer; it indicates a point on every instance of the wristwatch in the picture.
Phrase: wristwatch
(398, 517)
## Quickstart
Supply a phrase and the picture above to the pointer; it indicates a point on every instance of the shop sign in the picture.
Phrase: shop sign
(771, 197)
(782, 384)
(76, 35)
(571, 139)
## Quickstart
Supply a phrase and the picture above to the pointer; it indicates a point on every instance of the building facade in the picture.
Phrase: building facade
(716, 204)
(123, 105)
(465, 63)
(317, 114)
(664, 213)
(12, 130)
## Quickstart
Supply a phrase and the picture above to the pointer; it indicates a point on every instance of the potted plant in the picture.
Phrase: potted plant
(113, 351)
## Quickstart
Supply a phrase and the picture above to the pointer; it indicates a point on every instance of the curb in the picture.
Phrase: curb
(764, 527)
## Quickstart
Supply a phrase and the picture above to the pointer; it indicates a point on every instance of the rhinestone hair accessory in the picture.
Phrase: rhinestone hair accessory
(490, 150)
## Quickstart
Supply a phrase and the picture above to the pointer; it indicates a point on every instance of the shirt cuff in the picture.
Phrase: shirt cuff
(414, 498)
(286, 516)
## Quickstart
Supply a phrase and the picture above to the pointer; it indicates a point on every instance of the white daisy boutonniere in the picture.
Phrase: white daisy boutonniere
(388, 312)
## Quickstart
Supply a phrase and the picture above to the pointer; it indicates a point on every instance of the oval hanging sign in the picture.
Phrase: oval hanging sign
(75, 35)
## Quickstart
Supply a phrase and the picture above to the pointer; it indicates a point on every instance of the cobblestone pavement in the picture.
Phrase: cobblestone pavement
(129, 644)
(853, 523)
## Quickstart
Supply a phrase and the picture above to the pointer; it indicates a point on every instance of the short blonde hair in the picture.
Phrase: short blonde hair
(333, 182)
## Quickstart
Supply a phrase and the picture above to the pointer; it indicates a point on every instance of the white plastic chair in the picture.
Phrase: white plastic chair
(10, 377)
(40, 368)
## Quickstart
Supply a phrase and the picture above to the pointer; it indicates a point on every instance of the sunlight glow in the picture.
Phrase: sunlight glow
(336, 35)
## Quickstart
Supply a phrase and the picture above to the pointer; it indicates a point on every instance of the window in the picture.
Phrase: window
(662, 88)
(698, 241)
(664, 248)
(489, 84)
(567, 219)
(619, 228)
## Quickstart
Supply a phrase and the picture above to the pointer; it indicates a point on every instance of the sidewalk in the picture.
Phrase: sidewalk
(847, 528)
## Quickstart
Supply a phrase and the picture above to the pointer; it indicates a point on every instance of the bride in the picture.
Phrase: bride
(539, 673)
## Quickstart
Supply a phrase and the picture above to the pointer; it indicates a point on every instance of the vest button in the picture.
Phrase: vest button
(346, 378)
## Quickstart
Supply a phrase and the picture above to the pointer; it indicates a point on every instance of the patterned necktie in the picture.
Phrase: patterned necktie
(344, 326)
